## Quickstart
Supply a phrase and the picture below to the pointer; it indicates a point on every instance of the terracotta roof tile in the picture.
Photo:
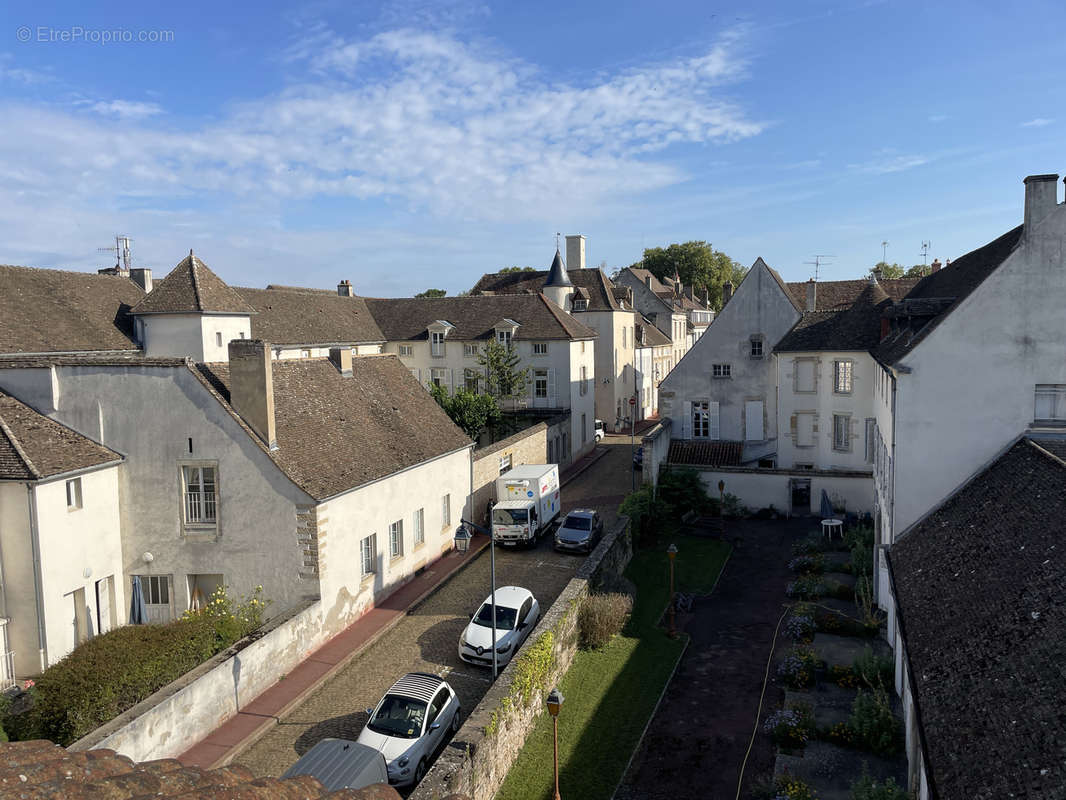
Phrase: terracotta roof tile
(705, 453)
(309, 316)
(83, 311)
(978, 586)
(33, 446)
(191, 287)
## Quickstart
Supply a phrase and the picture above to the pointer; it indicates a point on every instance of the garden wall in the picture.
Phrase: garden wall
(656, 449)
(529, 446)
(759, 488)
(484, 749)
(180, 714)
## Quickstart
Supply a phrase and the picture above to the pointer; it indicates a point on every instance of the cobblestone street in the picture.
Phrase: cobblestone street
(427, 638)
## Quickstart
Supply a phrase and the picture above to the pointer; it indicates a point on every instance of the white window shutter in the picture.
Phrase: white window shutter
(448, 380)
(458, 379)
(712, 411)
(686, 420)
(551, 386)
(753, 421)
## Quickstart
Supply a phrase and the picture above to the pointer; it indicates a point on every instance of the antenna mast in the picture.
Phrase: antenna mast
(123, 258)
(926, 244)
(884, 252)
(818, 262)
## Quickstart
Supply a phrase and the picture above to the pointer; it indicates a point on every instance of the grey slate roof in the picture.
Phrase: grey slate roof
(599, 288)
(840, 295)
(653, 337)
(717, 453)
(557, 272)
(979, 588)
(192, 288)
(408, 318)
(33, 447)
(335, 433)
(49, 310)
(857, 328)
(293, 316)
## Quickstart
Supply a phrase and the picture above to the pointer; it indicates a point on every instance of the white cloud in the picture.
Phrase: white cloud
(126, 109)
(1039, 122)
(27, 77)
(888, 164)
(935, 118)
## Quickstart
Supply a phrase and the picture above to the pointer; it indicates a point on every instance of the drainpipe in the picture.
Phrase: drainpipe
(38, 599)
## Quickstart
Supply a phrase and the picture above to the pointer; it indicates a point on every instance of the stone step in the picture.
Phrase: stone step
(843, 650)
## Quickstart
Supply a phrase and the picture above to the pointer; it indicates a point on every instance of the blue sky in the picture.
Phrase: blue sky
(407, 144)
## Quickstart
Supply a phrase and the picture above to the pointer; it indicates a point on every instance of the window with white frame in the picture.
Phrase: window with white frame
(505, 463)
(504, 338)
(540, 348)
(540, 384)
(470, 350)
(624, 330)
(74, 494)
(841, 432)
(842, 377)
(1050, 403)
(871, 439)
(583, 387)
(200, 488)
(156, 589)
(580, 304)
(420, 527)
(396, 539)
(406, 349)
(438, 376)
(436, 343)
(305, 353)
(705, 419)
(218, 338)
(756, 347)
(721, 370)
(470, 379)
(368, 554)
(446, 511)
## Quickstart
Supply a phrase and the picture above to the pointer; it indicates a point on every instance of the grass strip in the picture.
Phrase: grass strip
(610, 693)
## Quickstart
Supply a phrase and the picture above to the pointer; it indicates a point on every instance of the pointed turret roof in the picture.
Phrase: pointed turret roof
(192, 288)
(557, 274)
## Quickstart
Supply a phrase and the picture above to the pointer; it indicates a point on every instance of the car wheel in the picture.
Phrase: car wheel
(420, 771)
(455, 721)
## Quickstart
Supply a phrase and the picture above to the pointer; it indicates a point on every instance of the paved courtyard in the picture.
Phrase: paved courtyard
(426, 639)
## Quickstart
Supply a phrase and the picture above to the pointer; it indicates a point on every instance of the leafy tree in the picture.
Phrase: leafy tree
(697, 264)
(917, 271)
(889, 271)
(432, 293)
(505, 379)
(474, 413)
(506, 270)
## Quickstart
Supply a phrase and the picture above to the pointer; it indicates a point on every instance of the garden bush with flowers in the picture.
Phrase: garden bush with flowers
(111, 673)
(797, 667)
(784, 787)
(792, 727)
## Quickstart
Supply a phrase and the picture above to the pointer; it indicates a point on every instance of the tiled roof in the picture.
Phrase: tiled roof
(840, 295)
(857, 328)
(408, 318)
(601, 298)
(557, 273)
(335, 433)
(39, 769)
(705, 453)
(34, 447)
(49, 310)
(978, 586)
(948, 287)
(192, 288)
(653, 337)
(293, 316)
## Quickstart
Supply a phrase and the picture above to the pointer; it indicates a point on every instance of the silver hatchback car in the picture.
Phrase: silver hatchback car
(580, 531)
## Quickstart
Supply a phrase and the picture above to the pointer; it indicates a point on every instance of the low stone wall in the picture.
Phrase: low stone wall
(484, 749)
(529, 446)
(656, 449)
(759, 488)
(176, 717)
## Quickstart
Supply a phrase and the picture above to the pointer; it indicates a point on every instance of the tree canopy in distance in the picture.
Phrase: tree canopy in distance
(697, 264)
(432, 293)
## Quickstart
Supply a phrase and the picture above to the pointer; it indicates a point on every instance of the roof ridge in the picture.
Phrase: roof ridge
(195, 282)
(10, 436)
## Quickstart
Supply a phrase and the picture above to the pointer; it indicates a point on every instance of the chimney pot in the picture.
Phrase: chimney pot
(935, 266)
(251, 386)
(344, 288)
(575, 251)
(647, 280)
(1040, 198)
(142, 276)
(812, 295)
(342, 360)
(727, 293)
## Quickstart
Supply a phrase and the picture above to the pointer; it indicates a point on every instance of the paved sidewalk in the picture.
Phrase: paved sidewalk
(227, 742)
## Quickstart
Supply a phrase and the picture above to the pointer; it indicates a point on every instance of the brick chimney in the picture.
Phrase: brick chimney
(142, 276)
(812, 295)
(690, 292)
(342, 360)
(935, 266)
(344, 288)
(251, 386)
(1040, 199)
(727, 292)
(647, 280)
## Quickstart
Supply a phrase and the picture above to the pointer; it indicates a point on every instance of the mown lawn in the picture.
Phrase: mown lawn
(611, 693)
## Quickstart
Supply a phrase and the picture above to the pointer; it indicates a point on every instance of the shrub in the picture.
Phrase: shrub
(791, 727)
(806, 587)
(602, 616)
(732, 507)
(874, 670)
(830, 621)
(232, 619)
(839, 590)
(646, 515)
(800, 627)
(797, 667)
(681, 491)
(785, 787)
(813, 563)
(875, 726)
(866, 788)
(864, 602)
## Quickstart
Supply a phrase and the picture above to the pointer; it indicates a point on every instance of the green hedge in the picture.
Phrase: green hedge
(110, 674)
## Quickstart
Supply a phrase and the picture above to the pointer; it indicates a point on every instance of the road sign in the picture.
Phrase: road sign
(632, 401)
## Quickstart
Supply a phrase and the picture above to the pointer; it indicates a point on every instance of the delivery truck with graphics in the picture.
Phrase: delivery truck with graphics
(527, 503)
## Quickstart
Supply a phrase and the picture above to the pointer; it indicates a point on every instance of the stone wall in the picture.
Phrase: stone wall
(484, 749)
(529, 446)
(656, 448)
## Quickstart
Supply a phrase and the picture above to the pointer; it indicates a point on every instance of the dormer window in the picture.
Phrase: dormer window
(581, 304)
(504, 338)
(505, 330)
(438, 332)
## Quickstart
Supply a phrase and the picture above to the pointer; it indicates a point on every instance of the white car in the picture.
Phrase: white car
(598, 430)
(517, 612)
(410, 723)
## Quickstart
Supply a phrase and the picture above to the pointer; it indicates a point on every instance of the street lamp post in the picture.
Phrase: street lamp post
(463, 534)
(555, 702)
(671, 551)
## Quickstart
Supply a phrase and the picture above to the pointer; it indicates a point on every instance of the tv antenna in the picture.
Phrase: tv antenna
(884, 252)
(818, 262)
(123, 259)
(926, 244)
(557, 235)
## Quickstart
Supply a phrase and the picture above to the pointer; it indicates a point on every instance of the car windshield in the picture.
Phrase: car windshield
(578, 523)
(505, 617)
(510, 516)
(399, 716)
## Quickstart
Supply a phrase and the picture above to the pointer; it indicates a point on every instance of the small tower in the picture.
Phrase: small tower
(557, 287)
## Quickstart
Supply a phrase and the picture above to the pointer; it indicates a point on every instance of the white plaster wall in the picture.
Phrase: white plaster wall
(35, 387)
(614, 361)
(757, 489)
(346, 520)
(72, 543)
(173, 335)
(859, 404)
(970, 391)
(19, 593)
(295, 351)
(230, 326)
(582, 353)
